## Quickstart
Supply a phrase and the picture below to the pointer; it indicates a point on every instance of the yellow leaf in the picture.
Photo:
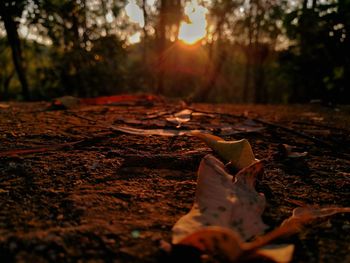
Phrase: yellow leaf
(238, 153)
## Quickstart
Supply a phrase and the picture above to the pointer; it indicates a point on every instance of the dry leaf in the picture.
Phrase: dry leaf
(226, 212)
(278, 253)
(68, 102)
(291, 151)
(309, 213)
(221, 202)
(180, 117)
(4, 106)
(65, 102)
(226, 244)
(244, 127)
(124, 98)
(238, 153)
(161, 132)
(173, 132)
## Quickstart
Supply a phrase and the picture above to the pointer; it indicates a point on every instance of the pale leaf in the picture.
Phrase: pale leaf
(147, 132)
(226, 244)
(180, 117)
(220, 202)
(309, 213)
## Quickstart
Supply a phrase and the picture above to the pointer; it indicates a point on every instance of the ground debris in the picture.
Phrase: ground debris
(84, 201)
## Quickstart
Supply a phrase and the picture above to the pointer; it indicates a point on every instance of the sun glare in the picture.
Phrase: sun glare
(194, 30)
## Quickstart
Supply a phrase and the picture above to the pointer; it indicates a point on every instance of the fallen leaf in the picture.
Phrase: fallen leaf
(238, 153)
(203, 114)
(161, 132)
(227, 209)
(171, 132)
(216, 241)
(220, 202)
(226, 245)
(309, 213)
(279, 253)
(65, 102)
(68, 102)
(3, 191)
(291, 151)
(4, 106)
(114, 100)
(248, 126)
(180, 117)
(46, 148)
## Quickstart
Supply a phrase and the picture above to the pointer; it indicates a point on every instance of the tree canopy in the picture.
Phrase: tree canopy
(205, 50)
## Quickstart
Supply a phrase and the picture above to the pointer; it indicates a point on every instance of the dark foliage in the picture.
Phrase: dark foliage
(255, 51)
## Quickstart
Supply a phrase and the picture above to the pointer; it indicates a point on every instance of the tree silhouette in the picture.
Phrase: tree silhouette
(10, 12)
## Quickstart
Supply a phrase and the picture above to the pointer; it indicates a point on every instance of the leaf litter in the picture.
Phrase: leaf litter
(227, 209)
(180, 117)
(322, 188)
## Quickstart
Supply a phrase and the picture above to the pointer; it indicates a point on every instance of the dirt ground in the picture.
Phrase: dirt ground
(87, 193)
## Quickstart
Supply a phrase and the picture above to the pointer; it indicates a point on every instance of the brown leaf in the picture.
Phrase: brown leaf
(220, 202)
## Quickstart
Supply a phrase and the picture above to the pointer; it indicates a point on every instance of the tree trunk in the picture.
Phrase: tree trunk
(145, 34)
(213, 68)
(204, 92)
(7, 85)
(247, 74)
(248, 51)
(15, 44)
(161, 46)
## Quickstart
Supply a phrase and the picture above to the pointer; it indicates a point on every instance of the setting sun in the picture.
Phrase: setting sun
(195, 29)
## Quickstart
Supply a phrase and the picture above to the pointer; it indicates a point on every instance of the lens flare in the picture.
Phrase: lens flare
(135, 38)
(134, 12)
(194, 30)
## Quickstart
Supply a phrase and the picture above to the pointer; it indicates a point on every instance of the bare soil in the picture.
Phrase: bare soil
(87, 193)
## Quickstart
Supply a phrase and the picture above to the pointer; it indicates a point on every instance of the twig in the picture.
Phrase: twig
(160, 114)
(218, 113)
(300, 134)
(321, 126)
(81, 117)
(267, 123)
(46, 148)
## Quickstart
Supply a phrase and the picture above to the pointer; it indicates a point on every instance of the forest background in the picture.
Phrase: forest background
(244, 51)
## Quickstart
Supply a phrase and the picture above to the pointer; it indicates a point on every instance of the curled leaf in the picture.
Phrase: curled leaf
(4, 106)
(180, 117)
(226, 244)
(238, 153)
(216, 240)
(309, 213)
(147, 132)
(224, 200)
(291, 151)
(278, 253)
(65, 102)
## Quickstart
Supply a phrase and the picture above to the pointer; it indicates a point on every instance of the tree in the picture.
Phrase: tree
(259, 29)
(7, 70)
(169, 16)
(10, 12)
(78, 43)
(221, 11)
(318, 62)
